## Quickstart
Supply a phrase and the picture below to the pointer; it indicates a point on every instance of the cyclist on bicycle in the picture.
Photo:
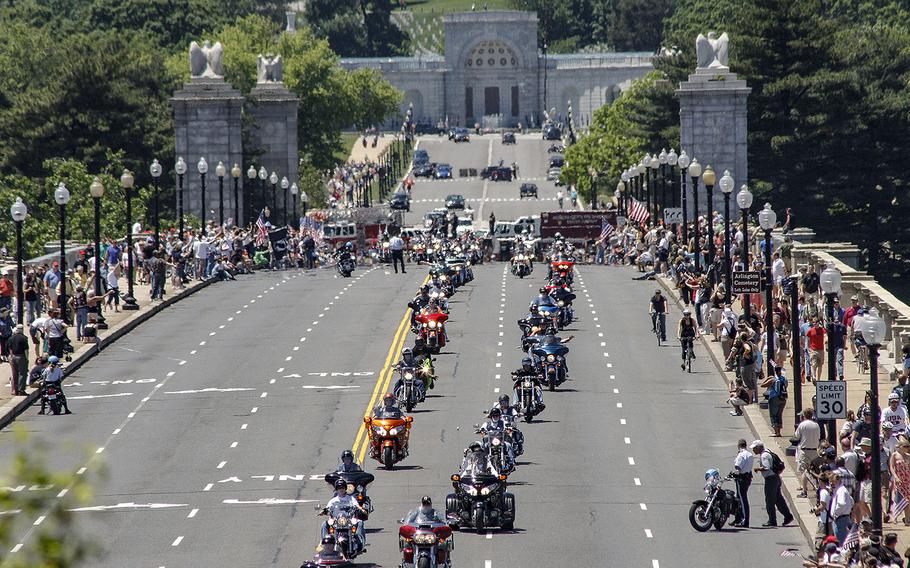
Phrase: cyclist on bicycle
(686, 333)
(658, 310)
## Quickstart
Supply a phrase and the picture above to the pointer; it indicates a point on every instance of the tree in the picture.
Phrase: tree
(357, 28)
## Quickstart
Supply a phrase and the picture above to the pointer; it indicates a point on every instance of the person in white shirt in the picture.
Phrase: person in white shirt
(822, 508)
(808, 434)
(137, 228)
(742, 470)
(200, 254)
(840, 508)
(778, 269)
(896, 414)
(340, 502)
(396, 246)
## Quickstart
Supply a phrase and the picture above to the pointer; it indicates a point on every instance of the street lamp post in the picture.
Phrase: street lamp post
(695, 173)
(625, 177)
(791, 287)
(203, 168)
(744, 200)
(18, 211)
(304, 201)
(655, 163)
(180, 168)
(766, 220)
(126, 182)
(220, 171)
(236, 172)
(662, 166)
(294, 204)
(726, 187)
(155, 169)
(285, 185)
(592, 174)
(683, 162)
(709, 177)
(97, 192)
(251, 176)
(62, 197)
(830, 280)
(263, 175)
(640, 170)
(670, 177)
(620, 189)
(873, 331)
(273, 179)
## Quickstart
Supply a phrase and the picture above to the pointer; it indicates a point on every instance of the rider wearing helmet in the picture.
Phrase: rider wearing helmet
(347, 463)
(409, 364)
(387, 408)
(423, 514)
(341, 501)
(496, 425)
(686, 333)
(543, 298)
(510, 415)
(53, 375)
(527, 370)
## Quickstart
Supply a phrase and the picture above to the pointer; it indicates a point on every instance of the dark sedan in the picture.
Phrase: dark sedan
(443, 171)
(424, 170)
(400, 202)
(455, 201)
(508, 137)
(527, 190)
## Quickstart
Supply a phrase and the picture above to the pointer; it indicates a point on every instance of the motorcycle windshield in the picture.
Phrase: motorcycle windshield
(548, 310)
(352, 477)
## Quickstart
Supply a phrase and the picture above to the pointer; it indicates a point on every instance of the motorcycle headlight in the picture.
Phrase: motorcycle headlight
(425, 538)
(490, 488)
(341, 522)
(432, 324)
(470, 490)
(394, 431)
(496, 441)
(551, 358)
(360, 489)
(409, 375)
(560, 303)
(380, 431)
(434, 294)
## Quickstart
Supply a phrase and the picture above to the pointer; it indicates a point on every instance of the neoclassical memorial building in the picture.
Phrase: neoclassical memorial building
(494, 73)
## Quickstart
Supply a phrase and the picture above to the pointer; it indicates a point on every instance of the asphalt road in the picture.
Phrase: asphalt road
(211, 418)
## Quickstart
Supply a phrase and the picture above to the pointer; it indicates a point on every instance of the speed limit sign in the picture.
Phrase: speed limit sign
(830, 400)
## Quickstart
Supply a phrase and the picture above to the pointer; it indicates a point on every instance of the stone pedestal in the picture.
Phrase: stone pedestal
(712, 117)
(274, 139)
(207, 123)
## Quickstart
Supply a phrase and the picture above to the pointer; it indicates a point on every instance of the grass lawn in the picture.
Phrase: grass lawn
(457, 5)
(347, 143)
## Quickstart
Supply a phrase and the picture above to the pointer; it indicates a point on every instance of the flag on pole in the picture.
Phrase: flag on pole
(262, 232)
(852, 538)
(606, 229)
(638, 212)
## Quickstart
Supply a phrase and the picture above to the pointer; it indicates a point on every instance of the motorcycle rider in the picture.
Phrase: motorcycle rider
(409, 361)
(527, 370)
(423, 514)
(510, 416)
(543, 298)
(387, 409)
(420, 301)
(424, 358)
(476, 461)
(686, 334)
(53, 375)
(544, 340)
(347, 463)
(496, 424)
(341, 500)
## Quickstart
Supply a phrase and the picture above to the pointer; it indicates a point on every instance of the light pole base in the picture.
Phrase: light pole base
(129, 303)
(100, 323)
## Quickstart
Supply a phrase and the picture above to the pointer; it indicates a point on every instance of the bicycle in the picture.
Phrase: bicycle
(659, 326)
(688, 354)
(862, 359)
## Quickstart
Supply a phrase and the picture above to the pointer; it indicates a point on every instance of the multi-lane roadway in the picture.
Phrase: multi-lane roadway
(216, 419)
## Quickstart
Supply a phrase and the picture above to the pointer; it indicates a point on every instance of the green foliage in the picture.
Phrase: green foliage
(55, 543)
(357, 28)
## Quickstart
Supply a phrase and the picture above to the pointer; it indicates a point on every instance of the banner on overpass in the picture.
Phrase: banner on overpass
(575, 224)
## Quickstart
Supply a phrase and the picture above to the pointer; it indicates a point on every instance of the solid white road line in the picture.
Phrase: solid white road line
(177, 541)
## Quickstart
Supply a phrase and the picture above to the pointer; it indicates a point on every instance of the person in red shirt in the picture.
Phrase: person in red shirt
(816, 337)
(6, 292)
(849, 314)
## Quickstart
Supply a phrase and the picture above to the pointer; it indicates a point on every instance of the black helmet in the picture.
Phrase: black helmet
(339, 483)
(475, 446)
(542, 291)
(426, 501)
(389, 399)
(495, 412)
(347, 454)
(504, 399)
(526, 362)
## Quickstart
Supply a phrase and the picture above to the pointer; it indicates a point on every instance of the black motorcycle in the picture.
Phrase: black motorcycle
(524, 388)
(494, 444)
(345, 264)
(718, 506)
(408, 390)
(480, 501)
(53, 397)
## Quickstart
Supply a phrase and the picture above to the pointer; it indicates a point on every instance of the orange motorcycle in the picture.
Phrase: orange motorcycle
(388, 435)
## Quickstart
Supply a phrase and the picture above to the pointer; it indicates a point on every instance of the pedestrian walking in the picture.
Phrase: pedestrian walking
(807, 437)
(18, 348)
(492, 223)
(55, 332)
(841, 507)
(771, 466)
(396, 246)
(821, 509)
(777, 398)
(742, 470)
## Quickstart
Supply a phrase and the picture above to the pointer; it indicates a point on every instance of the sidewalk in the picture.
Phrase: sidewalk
(119, 324)
(370, 154)
(759, 421)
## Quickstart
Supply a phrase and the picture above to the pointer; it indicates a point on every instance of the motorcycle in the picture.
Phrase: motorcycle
(327, 555)
(521, 265)
(551, 359)
(494, 444)
(432, 330)
(409, 391)
(524, 388)
(480, 501)
(345, 265)
(550, 313)
(425, 545)
(716, 508)
(563, 269)
(343, 525)
(53, 397)
(357, 486)
(388, 439)
(564, 301)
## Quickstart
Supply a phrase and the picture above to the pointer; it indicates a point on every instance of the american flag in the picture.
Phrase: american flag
(638, 212)
(606, 229)
(262, 231)
(902, 481)
(852, 538)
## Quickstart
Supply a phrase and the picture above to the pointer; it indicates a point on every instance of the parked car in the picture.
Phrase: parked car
(553, 174)
(508, 137)
(527, 190)
(552, 132)
(424, 170)
(460, 135)
(443, 171)
(501, 173)
(454, 201)
(420, 157)
(557, 161)
(427, 128)
(400, 202)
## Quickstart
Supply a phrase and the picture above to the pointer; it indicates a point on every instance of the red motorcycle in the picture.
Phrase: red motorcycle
(562, 268)
(432, 330)
(425, 545)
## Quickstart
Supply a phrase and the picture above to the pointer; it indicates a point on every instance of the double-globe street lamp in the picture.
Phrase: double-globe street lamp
(180, 168)
(273, 179)
(304, 201)
(96, 189)
(653, 165)
(683, 162)
(155, 169)
(662, 160)
(126, 182)
(285, 185)
(726, 187)
(203, 168)
(18, 211)
(767, 219)
(220, 171)
(251, 176)
(873, 329)
(62, 197)
(294, 191)
(236, 172)
(744, 201)
(694, 174)
(709, 178)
